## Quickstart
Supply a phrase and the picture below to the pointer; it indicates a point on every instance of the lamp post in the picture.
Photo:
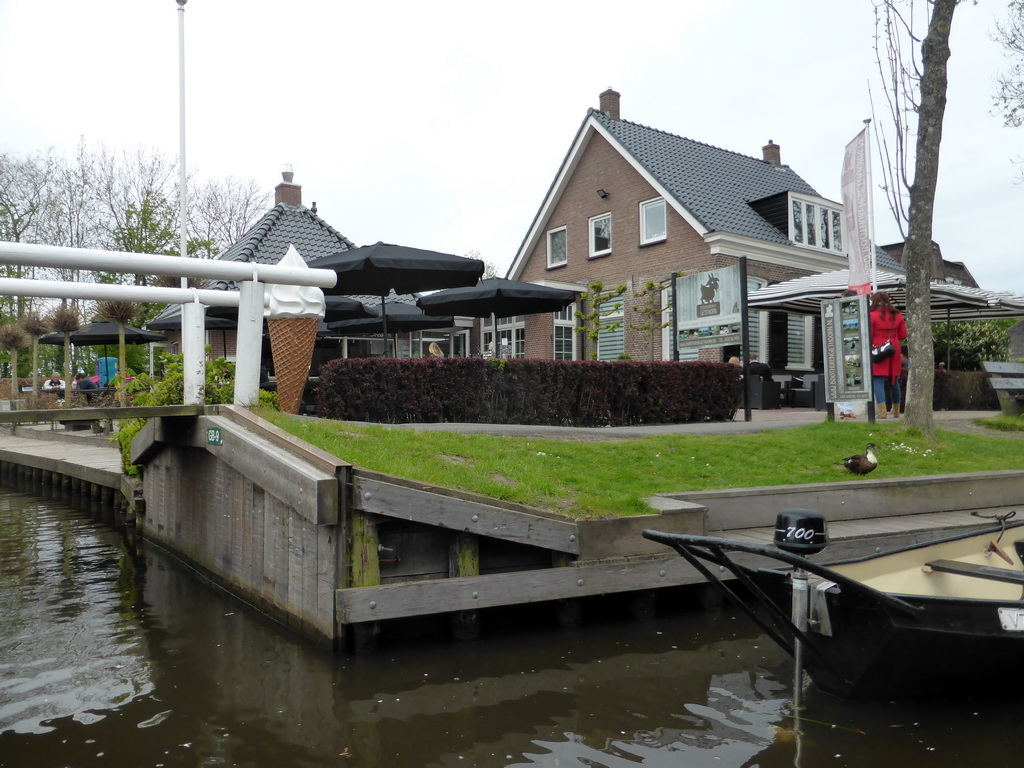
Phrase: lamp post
(193, 314)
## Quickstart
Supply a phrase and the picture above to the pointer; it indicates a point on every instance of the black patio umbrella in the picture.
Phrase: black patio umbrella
(102, 334)
(173, 323)
(498, 297)
(399, 317)
(337, 308)
(378, 269)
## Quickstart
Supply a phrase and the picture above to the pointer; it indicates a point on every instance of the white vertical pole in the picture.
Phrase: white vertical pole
(250, 341)
(193, 337)
(193, 340)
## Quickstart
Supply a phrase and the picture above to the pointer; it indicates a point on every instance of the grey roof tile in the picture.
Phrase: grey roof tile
(716, 185)
(283, 225)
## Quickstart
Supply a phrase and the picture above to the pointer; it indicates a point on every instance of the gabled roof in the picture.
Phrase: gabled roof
(714, 189)
(715, 185)
(283, 225)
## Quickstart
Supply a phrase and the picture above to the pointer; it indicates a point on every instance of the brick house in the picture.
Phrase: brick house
(630, 205)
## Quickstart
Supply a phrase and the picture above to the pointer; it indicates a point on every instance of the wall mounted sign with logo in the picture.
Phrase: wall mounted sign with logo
(847, 341)
(708, 309)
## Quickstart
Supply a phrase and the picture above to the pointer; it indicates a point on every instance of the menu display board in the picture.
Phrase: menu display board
(846, 337)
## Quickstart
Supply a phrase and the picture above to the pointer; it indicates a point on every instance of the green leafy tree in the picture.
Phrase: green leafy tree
(648, 308)
(969, 343)
(596, 304)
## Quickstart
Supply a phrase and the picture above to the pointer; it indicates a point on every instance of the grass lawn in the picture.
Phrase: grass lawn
(590, 478)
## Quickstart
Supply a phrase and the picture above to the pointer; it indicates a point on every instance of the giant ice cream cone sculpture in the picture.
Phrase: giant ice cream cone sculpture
(293, 316)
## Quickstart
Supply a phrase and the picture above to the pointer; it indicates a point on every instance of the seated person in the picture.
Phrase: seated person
(55, 384)
(83, 383)
(758, 368)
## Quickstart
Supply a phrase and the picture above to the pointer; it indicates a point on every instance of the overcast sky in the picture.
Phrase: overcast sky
(441, 125)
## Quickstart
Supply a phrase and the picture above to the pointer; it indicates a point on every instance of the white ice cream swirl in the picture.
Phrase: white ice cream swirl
(294, 300)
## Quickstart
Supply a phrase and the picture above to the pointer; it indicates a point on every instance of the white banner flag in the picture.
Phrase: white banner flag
(857, 212)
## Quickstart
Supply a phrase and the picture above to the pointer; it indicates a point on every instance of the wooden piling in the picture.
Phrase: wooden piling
(365, 572)
(464, 560)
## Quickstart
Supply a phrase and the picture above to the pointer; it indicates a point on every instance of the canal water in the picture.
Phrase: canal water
(112, 656)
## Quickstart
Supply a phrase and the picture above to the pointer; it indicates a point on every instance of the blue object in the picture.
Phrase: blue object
(106, 369)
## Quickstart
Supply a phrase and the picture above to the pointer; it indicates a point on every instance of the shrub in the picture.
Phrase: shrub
(578, 393)
(170, 390)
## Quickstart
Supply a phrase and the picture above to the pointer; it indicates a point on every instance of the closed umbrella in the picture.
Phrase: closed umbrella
(378, 269)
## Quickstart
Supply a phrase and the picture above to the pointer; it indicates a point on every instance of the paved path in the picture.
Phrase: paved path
(94, 459)
(780, 418)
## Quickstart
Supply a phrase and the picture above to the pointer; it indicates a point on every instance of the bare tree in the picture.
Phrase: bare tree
(23, 186)
(220, 212)
(917, 88)
(1009, 99)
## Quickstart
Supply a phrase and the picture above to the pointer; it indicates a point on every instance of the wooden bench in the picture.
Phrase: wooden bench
(1007, 379)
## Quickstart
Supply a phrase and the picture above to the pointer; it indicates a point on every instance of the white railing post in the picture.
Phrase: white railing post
(193, 348)
(249, 344)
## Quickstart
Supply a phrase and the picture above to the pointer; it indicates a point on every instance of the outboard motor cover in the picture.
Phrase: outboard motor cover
(801, 531)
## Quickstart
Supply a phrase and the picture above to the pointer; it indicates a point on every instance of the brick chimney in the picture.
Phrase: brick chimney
(286, 192)
(610, 103)
(772, 153)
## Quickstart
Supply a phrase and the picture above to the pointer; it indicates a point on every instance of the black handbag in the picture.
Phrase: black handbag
(884, 352)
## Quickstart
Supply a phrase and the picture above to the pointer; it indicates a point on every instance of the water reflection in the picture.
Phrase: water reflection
(110, 659)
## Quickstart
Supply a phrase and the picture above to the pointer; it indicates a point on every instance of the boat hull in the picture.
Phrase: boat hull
(948, 648)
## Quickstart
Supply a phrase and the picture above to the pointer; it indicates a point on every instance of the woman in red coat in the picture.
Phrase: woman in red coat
(886, 324)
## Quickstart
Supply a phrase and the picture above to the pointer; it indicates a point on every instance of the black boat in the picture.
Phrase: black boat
(943, 619)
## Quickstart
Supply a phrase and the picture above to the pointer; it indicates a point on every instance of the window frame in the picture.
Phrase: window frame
(645, 206)
(808, 230)
(591, 234)
(551, 233)
(564, 319)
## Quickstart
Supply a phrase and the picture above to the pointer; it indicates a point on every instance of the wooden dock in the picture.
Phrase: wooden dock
(339, 553)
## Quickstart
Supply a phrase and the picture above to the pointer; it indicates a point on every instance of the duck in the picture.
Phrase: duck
(862, 463)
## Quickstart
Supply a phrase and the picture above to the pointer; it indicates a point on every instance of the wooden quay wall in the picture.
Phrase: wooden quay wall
(341, 553)
(336, 551)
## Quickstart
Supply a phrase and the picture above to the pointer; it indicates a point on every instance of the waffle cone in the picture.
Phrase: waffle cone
(291, 344)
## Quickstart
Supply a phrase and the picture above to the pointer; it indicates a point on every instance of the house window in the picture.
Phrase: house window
(610, 336)
(511, 337)
(653, 224)
(601, 235)
(816, 224)
(557, 251)
(565, 333)
(799, 336)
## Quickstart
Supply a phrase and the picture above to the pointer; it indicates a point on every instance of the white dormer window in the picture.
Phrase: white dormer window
(558, 253)
(600, 235)
(816, 223)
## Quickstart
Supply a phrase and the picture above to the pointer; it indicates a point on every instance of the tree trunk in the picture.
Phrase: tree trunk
(918, 253)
